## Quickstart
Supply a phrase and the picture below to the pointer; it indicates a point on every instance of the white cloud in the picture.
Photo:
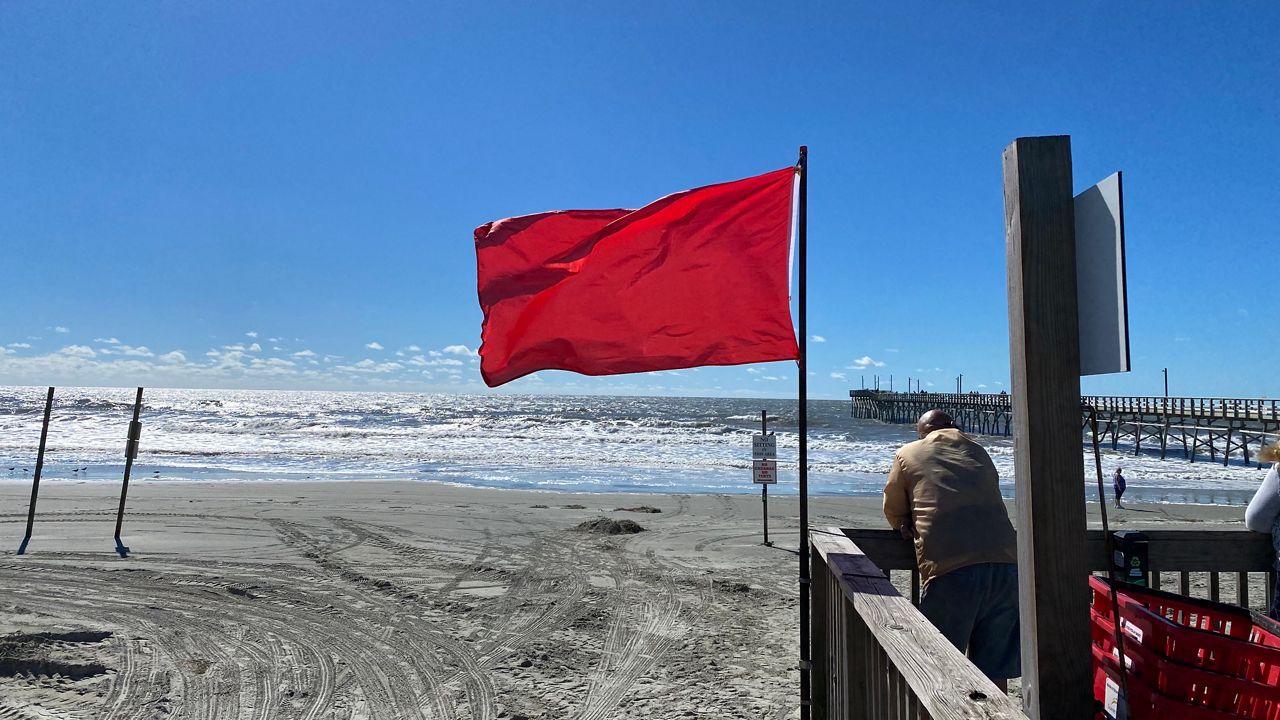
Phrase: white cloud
(109, 362)
(434, 353)
(818, 339)
(459, 350)
(864, 362)
(252, 334)
(61, 329)
(231, 360)
(370, 366)
(375, 345)
(753, 371)
(837, 376)
(414, 348)
(891, 350)
(20, 346)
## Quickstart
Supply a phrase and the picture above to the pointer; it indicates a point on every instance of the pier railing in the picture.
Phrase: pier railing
(875, 656)
(1202, 407)
(1197, 426)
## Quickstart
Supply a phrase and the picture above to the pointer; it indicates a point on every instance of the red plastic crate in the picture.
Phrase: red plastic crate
(1187, 687)
(1203, 634)
(1144, 703)
(1187, 658)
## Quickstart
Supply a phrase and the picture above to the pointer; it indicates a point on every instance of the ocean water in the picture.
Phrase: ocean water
(555, 443)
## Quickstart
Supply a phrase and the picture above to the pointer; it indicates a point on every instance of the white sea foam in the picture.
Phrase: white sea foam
(556, 443)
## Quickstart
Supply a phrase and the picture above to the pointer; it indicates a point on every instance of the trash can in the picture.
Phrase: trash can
(1129, 562)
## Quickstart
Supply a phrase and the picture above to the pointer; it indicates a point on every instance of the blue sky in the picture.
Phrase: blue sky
(282, 195)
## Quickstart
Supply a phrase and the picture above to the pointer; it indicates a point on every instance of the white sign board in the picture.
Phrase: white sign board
(764, 447)
(764, 472)
(1101, 294)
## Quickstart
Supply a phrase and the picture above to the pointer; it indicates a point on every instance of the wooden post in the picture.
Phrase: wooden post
(764, 487)
(130, 452)
(35, 480)
(1044, 354)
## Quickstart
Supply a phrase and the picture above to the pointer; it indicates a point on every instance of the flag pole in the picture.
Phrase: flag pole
(806, 664)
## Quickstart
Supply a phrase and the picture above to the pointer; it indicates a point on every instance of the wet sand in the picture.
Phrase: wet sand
(409, 600)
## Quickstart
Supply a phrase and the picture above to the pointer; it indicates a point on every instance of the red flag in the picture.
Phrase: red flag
(696, 278)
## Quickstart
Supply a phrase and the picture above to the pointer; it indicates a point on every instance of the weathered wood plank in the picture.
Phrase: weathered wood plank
(946, 685)
(821, 628)
(1170, 550)
(1044, 363)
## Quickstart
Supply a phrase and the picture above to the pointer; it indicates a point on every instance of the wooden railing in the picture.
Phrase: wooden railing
(875, 656)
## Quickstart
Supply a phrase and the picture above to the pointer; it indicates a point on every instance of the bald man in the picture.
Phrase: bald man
(944, 494)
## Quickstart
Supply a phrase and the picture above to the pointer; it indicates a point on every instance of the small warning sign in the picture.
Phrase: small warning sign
(764, 472)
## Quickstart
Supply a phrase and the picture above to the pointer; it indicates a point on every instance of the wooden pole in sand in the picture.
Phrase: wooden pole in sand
(764, 487)
(130, 452)
(1044, 355)
(35, 481)
(802, 228)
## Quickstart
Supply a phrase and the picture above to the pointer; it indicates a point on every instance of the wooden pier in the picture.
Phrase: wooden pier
(1194, 427)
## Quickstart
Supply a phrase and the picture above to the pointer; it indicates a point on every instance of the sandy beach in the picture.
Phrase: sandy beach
(409, 600)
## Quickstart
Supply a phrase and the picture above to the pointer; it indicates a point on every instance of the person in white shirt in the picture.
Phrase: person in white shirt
(1263, 514)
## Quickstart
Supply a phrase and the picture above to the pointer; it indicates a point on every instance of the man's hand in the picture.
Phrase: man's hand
(908, 531)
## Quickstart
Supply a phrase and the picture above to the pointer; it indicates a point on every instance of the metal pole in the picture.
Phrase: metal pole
(764, 487)
(35, 482)
(805, 659)
(1166, 384)
(130, 452)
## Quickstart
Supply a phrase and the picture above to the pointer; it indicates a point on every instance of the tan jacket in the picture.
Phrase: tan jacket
(948, 487)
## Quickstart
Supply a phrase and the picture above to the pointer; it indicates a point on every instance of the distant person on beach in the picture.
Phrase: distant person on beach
(944, 493)
(1263, 514)
(1118, 484)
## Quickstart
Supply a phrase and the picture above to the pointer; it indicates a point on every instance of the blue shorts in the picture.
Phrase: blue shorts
(976, 608)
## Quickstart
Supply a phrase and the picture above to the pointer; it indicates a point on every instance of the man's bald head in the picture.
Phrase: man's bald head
(933, 420)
